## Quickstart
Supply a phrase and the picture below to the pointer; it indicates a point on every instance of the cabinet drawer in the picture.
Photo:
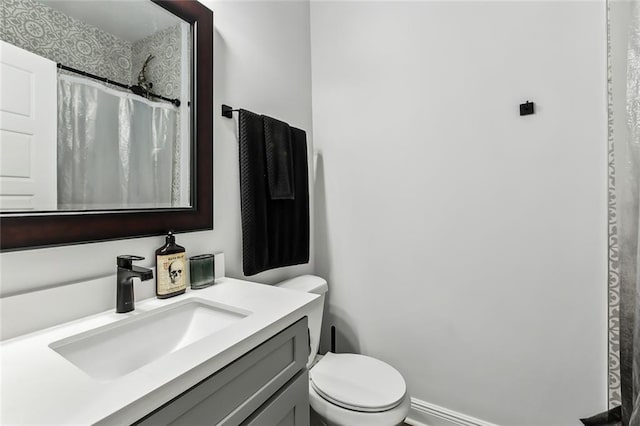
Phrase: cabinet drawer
(230, 395)
(289, 407)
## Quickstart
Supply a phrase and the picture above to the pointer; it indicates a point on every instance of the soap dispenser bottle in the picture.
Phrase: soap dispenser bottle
(170, 269)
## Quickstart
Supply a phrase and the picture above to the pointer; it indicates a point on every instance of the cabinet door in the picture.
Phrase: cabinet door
(288, 407)
(229, 396)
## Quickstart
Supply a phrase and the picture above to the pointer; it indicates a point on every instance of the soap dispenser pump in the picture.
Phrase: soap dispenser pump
(170, 269)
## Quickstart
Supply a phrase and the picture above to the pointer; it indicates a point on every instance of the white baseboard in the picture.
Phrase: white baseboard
(425, 414)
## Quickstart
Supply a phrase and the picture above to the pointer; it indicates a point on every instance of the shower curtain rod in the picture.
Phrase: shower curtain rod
(135, 89)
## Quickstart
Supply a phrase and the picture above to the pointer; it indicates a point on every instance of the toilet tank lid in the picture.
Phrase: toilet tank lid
(306, 283)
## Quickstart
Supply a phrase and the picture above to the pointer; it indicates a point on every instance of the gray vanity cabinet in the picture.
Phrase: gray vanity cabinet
(289, 407)
(267, 386)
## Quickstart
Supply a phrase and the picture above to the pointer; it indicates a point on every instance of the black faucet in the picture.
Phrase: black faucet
(124, 287)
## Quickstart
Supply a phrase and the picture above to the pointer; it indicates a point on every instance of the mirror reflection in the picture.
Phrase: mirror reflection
(95, 106)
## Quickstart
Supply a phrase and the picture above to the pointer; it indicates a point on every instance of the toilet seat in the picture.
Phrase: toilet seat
(358, 383)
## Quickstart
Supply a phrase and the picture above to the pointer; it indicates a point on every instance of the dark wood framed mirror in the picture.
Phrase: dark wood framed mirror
(25, 230)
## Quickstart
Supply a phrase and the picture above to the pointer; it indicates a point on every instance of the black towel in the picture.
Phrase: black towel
(277, 144)
(275, 233)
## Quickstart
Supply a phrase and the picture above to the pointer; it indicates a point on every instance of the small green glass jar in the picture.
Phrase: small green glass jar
(201, 269)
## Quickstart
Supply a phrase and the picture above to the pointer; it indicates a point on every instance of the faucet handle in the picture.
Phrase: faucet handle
(126, 260)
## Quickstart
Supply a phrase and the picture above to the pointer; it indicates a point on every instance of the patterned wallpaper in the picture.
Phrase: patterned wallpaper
(40, 29)
(164, 69)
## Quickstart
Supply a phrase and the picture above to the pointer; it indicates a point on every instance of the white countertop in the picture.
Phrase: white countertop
(39, 386)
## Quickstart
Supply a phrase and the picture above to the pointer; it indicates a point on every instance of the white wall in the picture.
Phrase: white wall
(464, 244)
(261, 63)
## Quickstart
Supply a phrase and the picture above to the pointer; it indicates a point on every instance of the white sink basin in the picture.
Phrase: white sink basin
(114, 350)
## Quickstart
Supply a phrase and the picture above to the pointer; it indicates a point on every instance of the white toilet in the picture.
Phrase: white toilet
(349, 389)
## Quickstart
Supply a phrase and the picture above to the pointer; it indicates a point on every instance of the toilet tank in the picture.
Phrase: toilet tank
(316, 285)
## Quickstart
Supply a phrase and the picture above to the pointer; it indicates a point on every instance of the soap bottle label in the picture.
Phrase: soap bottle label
(171, 273)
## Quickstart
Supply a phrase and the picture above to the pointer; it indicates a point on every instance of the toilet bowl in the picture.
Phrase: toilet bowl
(348, 389)
(351, 389)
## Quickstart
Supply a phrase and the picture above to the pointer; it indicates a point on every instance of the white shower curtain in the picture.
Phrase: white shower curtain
(115, 149)
(627, 159)
(633, 121)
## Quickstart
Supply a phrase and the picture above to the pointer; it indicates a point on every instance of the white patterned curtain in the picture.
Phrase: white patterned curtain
(627, 159)
(630, 315)
(115, 150)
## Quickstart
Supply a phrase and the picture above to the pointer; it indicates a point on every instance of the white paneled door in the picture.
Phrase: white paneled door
(28, 130)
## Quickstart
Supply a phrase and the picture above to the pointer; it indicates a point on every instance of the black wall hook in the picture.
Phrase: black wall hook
(527, 108)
